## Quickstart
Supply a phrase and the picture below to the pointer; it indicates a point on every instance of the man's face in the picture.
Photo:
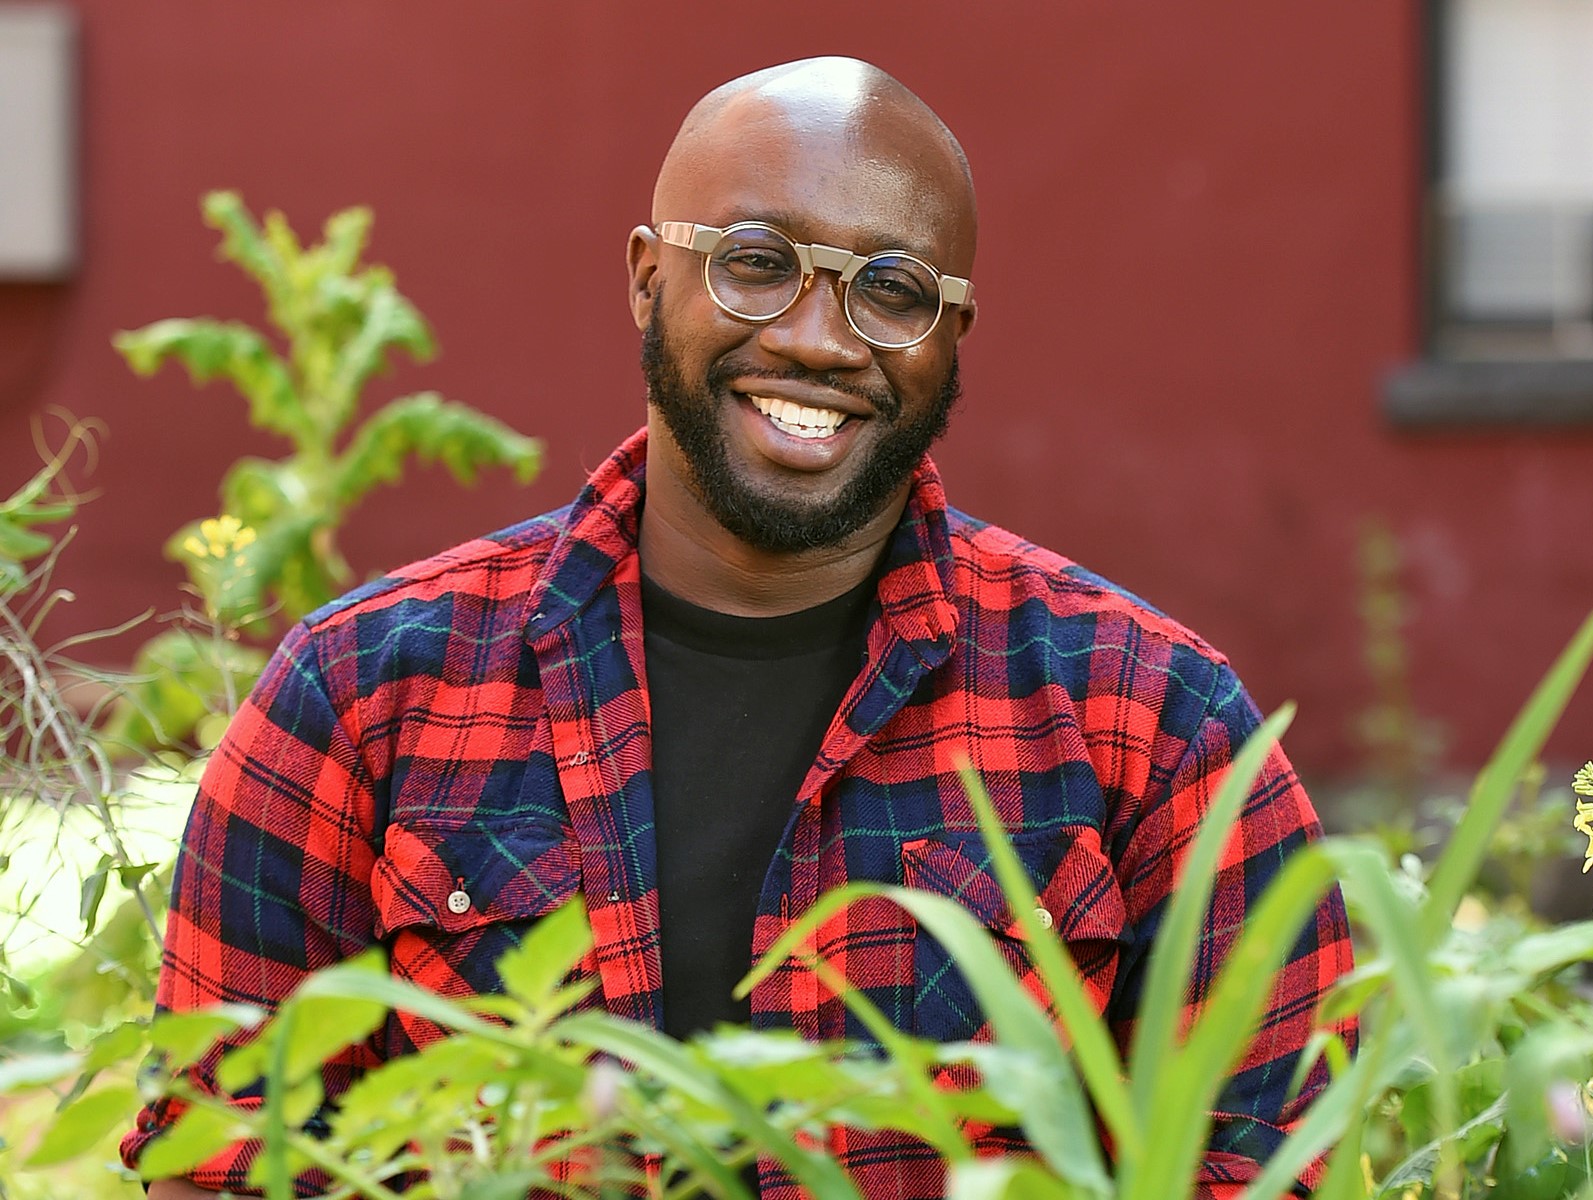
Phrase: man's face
(756, 505)
(796, 434)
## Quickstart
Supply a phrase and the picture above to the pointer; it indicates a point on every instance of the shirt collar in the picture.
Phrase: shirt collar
(604, 522)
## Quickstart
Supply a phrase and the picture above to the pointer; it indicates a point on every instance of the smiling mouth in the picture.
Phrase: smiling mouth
(799, 420)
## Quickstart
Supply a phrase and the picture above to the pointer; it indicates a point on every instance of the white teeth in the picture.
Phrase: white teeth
(797, 419)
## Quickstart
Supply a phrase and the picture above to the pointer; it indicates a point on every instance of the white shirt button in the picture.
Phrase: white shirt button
(1043, 915)
(458, 902)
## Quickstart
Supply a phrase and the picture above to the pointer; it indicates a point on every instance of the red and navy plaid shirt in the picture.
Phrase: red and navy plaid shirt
(478, 723)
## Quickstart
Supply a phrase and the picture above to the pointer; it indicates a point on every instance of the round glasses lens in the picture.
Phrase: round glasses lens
(894, 299)
(754, 271)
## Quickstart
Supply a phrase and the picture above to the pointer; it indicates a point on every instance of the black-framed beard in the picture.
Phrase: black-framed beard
(765, 520)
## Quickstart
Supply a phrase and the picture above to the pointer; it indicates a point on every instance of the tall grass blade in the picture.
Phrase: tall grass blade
(1059, 1125)
(1187, 1083)
(1490, 795)
(1167, 981)
(1093, 1046)
(1336, 1109)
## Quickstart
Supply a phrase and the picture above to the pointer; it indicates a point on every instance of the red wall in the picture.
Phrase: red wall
(1197, 260)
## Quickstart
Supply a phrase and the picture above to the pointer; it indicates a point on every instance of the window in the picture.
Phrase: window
(1509, 216)
(1514, 198)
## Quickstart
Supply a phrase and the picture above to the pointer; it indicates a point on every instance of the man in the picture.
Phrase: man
(742, 668)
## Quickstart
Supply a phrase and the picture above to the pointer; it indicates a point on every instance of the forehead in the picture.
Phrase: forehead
(863, 178)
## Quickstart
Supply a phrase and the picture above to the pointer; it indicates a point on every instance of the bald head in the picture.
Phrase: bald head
(828, 115)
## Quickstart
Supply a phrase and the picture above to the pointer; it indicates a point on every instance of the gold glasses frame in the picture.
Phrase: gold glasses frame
(812, 257)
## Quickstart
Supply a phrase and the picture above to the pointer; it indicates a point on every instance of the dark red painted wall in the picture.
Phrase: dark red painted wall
(1197, 260)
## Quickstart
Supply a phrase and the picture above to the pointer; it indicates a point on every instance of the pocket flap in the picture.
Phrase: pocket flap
(1074, 881)
(503, 873)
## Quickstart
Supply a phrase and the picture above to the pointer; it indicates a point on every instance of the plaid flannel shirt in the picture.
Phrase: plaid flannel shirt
(478, 722)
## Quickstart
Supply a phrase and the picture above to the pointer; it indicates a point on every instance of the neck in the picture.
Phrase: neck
(691, 555)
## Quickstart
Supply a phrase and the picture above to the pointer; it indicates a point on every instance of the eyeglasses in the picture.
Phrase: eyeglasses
(892, 299)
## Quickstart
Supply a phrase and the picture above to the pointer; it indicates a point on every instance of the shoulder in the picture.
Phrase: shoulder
(489, 574)
(1000, 569)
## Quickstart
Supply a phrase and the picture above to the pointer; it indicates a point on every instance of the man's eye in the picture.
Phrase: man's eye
(892, 290)
(753, 265)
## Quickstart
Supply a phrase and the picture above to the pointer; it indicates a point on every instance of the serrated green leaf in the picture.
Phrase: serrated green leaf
(243, 244)
(429, 428)
(343, 240)
(226, 350)
(83, 1124)
(389, 321)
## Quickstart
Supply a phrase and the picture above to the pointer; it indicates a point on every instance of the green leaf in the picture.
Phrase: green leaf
(226, 350)
(202, 1131)
(389, 321)
(653, 1052)
(178, 679)
(185, 1036)
(92, 893)
(117, 1044)
(1061, 1127)
(533, 970)
(429, 428)
(1003, 1179)
(1421, 1165)
(1188, 1082)
(81, 1125)
(1544, 953)
(37, 1070)
(242, 243)
(510, 1185)
(19, 544)
(343, 240)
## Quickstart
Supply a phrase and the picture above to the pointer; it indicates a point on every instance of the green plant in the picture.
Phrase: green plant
(1465, 1042)
(67, 846)
(274, 545)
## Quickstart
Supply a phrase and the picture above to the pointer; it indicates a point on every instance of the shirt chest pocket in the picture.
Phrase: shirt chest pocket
(1077, 899)
(451, 899)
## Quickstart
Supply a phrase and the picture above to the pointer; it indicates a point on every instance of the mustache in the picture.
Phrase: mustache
(882, 400)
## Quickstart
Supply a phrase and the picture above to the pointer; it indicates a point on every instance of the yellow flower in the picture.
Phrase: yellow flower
(219, 537)
(1582, 783)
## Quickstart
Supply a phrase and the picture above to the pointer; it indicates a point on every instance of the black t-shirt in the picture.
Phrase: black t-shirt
(740, 706)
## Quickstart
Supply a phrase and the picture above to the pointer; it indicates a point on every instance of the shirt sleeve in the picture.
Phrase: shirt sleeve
(1253, 1112)
(272, 881)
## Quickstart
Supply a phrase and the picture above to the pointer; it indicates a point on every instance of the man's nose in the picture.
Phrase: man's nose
(814, 331)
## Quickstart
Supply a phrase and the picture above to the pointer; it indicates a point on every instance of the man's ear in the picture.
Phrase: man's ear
(641, 256)
(965, 318)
